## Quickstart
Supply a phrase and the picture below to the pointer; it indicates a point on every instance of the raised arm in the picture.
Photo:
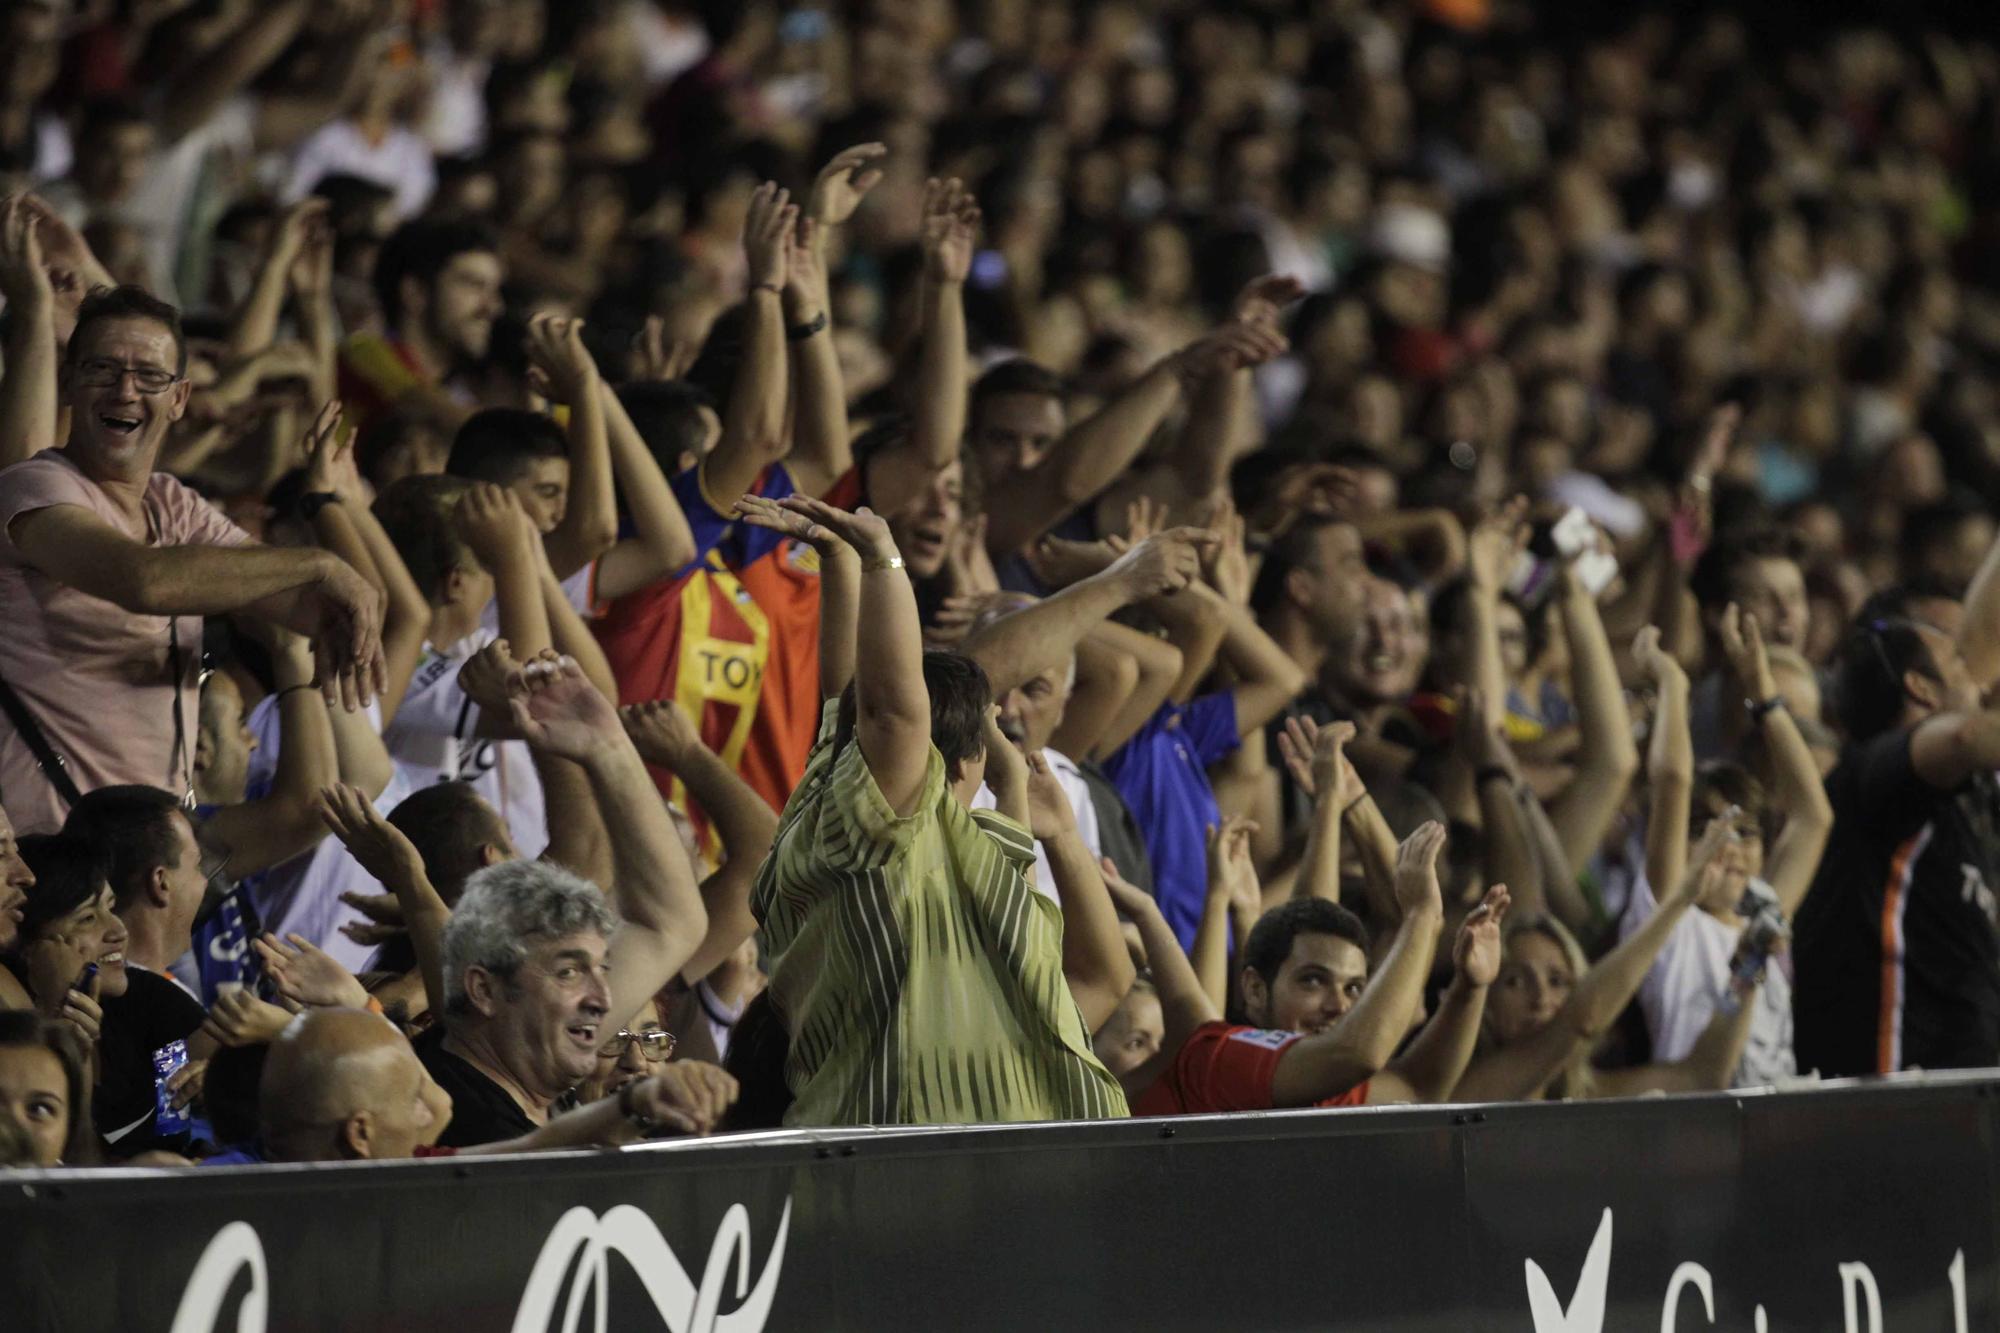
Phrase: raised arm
(753, 420)
(1709, 1065)
(666, 737)
(662, 542)
(1158, 665)
(205, 86)
(28, 398)
(1025, 643)
(557, 709)
(1517, 1072)
(1221, 412)
(892, 703)
(380, 848)
(589, 524)
(1266, 677)
(274, 828)
(1979, 632)
(1801, 797)
(1494, 545)
(1434, 1063)
(1669, 760)
(1317, 759)
(1096, 962)
(1208, 951)
(1184, 1004)
(949, 234)
(255, 326)
(1609, 758)
(839, 587)
(1506, 841)
(351, 526)
(1361, 1043)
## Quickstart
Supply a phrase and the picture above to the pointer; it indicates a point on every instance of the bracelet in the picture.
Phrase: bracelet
(798, 333)
(876, 562)
(289, 688)
(1489, 773)
(1759, 709)
(1354, 804)
(771, 287)
(313, 501)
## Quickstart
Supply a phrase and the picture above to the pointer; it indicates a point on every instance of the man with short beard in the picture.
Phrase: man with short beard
(438, 284)
(106, 566)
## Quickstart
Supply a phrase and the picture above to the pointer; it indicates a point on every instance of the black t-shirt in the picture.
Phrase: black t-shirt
(152, 1012)
(481, 1110)
(1897, 947)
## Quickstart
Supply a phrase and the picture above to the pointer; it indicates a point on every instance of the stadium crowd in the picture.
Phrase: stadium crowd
(573, 573)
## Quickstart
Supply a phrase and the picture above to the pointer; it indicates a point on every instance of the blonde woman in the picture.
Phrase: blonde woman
(1548, 1009)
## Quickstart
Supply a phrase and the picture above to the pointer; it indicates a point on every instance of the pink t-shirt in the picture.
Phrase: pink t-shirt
(94, 675)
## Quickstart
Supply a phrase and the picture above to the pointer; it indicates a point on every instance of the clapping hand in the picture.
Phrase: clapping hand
(843, 182)
(1476, 954)
(307, 976)
(1417, 888)
(560, 712)
(949, 231)
(767, 236)
(1494, 544)
(1743, 642)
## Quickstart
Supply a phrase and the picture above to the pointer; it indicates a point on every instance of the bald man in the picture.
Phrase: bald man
(342, 1084)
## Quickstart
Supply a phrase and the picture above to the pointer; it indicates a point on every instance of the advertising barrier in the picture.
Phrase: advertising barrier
(1870, 1209)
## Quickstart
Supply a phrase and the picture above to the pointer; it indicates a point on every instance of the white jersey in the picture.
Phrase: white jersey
(434, 738)
(1078, 791)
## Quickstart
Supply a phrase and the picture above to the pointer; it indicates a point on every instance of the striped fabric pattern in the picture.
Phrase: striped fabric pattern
(918, 970)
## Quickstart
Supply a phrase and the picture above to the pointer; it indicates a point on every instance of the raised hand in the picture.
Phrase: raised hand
(311, 275)
(1705, 867)
(239, 1018)
(760, 512)
(1479, 743)
(561, 713)
(329, 450)
(1655, 665)
(1163, 563)
(655, 357)
(1130, 900)
(385, 919)
(493, 524)
(376, 845)
(1495, 542)
(1743, 644)
(1006, 766)
(949, 231)
(842, 183)
(1231, 866)
(1262, 299)
(1226, 563)
(767, 235)
(805, 270)
(864, 530)
(347, 639)
(307, 976)
(296, 228)
(24, 277)
(555, 348)
(72, 267)
(689, 1095)
(484, 676)
(1050, 814)
(1417, 888)
(1476, 953)
(1234, 346)
(663, 731)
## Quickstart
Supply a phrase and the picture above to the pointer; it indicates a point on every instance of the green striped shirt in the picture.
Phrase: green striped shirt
(917, 969)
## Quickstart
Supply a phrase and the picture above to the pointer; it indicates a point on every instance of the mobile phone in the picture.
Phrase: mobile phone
(83, 982)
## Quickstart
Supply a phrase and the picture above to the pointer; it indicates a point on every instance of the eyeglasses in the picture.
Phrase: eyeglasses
(653, 1046)
(100, 374)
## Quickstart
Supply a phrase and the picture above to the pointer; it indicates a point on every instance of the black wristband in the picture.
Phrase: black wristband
(313, 501)
(1759, 709)
(798, 333)
(1491, 772)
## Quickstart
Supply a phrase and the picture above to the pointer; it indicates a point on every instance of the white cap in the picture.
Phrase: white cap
(1412, 234)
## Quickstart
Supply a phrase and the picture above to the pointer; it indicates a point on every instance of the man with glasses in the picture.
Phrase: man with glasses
(106, 566)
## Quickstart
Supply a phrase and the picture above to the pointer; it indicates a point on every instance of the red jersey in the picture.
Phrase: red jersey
(735, 640)
(1227, 1067)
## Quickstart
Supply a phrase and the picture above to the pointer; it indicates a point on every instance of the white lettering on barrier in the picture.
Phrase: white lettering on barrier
(624, 1230)
(1586, 1305)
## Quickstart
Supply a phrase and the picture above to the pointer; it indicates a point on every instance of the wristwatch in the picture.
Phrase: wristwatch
(645, 1124)
(313, 501)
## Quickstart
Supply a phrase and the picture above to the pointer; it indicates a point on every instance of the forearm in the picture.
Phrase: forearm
(1208, 957)
(336, 531)
(937, 426)
(569, 636)
(1185, 1000)
(406, 617)
(743, 820)
(1801, 795)
(1159, 665)
(1608, 987)
(599, 1125)
(215, 580)
(753, 423)
(657, 517)
(319, 326)
(1212, 437)
(1670, 772)
(255, 326)
(839, 616)
(821, 452)
(1489, 672)
(1319, 866)
(1509, 852)
(1023, 644)
(893, 704)
(1375, 843)
(1195, 630)
(28, 389)
(655, 888)
(1979, 632)
(1437, 1059)
(1106, 680)
(590, 521)
(517, 595)
(1563, 894)
(1095, 959)
(358, 753)
(1609, 758)
(1266, 678)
